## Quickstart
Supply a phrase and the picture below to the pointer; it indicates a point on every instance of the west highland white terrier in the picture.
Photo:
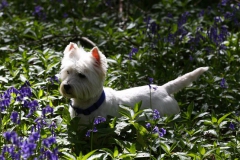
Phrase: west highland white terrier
(83, 75)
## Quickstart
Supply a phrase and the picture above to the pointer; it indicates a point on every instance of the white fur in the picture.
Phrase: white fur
(85, 91)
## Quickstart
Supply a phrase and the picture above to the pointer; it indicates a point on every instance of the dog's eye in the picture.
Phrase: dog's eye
(81, 75)
(67, 72)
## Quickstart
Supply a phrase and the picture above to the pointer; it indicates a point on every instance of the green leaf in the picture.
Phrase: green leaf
(137, 114)
(173, 146)
(166, 148)
(108, 151)
(126, 111)
(40, 93)
(214, 119)
(87, 155)
(200, 115)
(133, 148)
(189, 110)
(113, 123)
(68, 156)
(137, 107)
(223, 117)
(115, 153)
(201, 150)
(141, 130)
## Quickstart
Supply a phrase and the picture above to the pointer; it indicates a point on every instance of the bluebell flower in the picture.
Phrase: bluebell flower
(153, 27)
(148, 125)
(25, 91)
(11, 136)
(224, 2)
(4, 4)
(147, 20)
(228, 15)
(40, 123)
(27, 149)
(88, 133)
(183, 19)
(65, 15)
(133, 51)
(53, 79)
(37, 9)
(223, 83)
(14, 117)
(201, 13)
(49, 141)
(150, 82)
(160, 132)
(98, 120)
(34, 137)
(53, 127)
(46, 110)
(156, 114)
(231, 126)
(94, 129)
(217, 19)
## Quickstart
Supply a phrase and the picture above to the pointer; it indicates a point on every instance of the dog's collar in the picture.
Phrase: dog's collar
(92, 108)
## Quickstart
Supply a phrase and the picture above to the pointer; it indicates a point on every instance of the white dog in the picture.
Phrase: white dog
(83, 74)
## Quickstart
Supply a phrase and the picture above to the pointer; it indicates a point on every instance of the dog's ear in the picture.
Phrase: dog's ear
(96, 54)
(71, 50)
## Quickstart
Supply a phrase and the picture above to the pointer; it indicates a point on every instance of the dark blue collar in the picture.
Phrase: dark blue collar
(92, 108)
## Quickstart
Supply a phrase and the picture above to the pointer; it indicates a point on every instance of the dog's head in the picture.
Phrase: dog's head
(82, 73)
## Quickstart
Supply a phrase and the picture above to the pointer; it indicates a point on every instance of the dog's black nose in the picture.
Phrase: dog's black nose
(67, 87)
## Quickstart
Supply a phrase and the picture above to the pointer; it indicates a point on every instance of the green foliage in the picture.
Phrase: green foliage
(141, 39)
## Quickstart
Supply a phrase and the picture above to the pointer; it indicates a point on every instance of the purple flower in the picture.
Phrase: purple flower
(190, 58)
(183, 19)
(54, 79)
(14, 117)
(37, 9)
(94, 129)
(25, 91)
(133, 51)
(148, 125)
(150, 82)
(27, 149)
(65, 15)
(201, 14)
(49, 141)
(4, 4)
(88, 133)
(154, 27)
(160, 132)
(228, 15)
(147, 20)
(156, 114)
(223, 83)
(46, 110)
(224, 2)
(98, 120)
(11, 136)
(231, 126)
(34, 137)
(217, 19)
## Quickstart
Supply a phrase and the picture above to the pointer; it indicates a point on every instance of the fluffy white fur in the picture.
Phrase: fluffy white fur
(83, 74)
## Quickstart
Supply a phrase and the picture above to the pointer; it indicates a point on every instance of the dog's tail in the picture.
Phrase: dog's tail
(183, 81)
